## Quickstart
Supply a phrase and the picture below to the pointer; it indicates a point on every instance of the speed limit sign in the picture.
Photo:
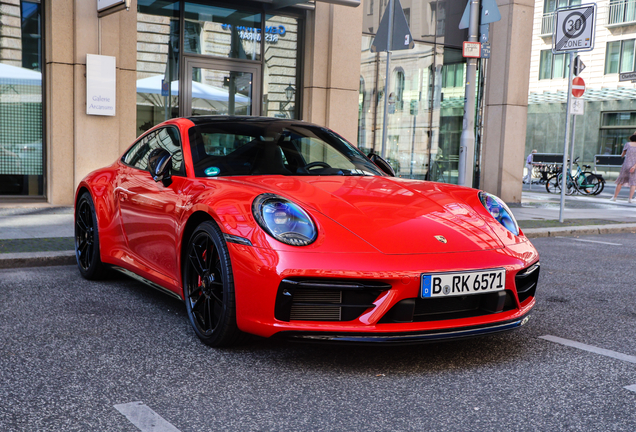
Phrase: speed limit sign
(574, 29)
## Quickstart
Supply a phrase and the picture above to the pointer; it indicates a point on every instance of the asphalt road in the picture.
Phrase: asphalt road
(75, 354)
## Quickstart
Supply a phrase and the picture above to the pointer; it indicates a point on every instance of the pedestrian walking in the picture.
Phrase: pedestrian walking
(628, 169)
(528, 177)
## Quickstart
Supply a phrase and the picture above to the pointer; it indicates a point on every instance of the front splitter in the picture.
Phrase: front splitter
(402, 338)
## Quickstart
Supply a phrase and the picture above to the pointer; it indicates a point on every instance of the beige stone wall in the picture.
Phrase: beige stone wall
(10, 33)
(153, 35)
(332, 68)
(76, 142)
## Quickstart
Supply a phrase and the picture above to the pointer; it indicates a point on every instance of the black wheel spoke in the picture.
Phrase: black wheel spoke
(195, 292)
(198, 303)
(86, 218)
(210, 321)
(81, 225)
(195, 260)
(208, 253)
(218, 297)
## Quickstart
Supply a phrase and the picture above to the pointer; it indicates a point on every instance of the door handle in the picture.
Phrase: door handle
(123, 196)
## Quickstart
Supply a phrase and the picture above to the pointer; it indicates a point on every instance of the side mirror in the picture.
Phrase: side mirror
(159, 164)
(382, 164)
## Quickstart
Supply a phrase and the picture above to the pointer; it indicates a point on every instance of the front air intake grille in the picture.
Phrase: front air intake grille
(526, 282)
(313, 305)
(445, 308)
(325, 300)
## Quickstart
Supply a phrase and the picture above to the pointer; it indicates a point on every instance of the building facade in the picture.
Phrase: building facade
(308, 61)
(610, 105)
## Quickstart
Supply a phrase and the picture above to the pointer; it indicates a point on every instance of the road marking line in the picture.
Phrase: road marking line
(631, 387)
(144, 418)
(590, 348)
(590, 241)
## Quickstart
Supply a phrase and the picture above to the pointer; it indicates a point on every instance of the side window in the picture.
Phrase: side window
(165, 138)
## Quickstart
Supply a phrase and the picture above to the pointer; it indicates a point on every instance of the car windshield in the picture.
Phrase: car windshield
(274, 147)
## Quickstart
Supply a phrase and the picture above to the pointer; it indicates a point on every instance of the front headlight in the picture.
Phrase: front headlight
(500, 211)
(285, 221)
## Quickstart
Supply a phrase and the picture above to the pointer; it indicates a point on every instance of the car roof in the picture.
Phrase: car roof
(203, 120)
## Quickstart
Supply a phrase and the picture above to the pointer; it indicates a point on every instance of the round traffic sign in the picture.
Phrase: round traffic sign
(574, 25)
(578, 87)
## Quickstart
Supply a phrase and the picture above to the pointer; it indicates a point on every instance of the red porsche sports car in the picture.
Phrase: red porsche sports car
(280, 227)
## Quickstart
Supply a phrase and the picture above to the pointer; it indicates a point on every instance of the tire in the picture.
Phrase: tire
(553, 185)
(601, 186)
(571, 186)
(87, 253)
(208, 287)
(591, 184)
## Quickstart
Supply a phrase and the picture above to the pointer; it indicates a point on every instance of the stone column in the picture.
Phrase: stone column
(332, 68)
(76, 142)
(507, 82)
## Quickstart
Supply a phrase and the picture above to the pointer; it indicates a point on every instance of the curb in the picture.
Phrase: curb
(36, 259)
(580, 230)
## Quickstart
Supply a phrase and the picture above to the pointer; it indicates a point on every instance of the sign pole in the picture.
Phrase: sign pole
(565, 169)
(467, 140)
(387, 80)
(572, 141)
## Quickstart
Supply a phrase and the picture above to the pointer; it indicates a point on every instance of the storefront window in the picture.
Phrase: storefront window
(157, 62)
(280, 85)
(222, 32)
(21, 149)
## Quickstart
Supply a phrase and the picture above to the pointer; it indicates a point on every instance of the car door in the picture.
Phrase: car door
(150, 211)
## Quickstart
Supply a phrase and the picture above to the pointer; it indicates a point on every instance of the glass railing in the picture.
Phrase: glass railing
(547, 24)
(621, 12)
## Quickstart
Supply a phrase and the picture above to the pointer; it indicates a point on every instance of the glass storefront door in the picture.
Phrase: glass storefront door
(219, 87)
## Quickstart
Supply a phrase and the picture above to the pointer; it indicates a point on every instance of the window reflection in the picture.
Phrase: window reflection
(222, 32)
(279, 68)
(21, 156)
(157, 62)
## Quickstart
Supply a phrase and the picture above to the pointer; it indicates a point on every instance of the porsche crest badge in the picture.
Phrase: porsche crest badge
(441, 239)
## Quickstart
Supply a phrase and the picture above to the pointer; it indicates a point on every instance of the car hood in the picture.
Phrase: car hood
(396, 216)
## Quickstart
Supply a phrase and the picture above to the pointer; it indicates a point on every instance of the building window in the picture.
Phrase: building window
(621, 12)
(552, 5)
(616, 128)
(553, 66)
(453, 75)
(619, 56)
(627, 56)
(399, 90)
(371, 7)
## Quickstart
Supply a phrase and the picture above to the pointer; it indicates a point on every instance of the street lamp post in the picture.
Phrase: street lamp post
(290, 91)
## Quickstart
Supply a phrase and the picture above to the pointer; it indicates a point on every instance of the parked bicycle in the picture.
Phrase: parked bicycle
(583, 182)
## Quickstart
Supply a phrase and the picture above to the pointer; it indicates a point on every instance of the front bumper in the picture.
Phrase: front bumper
(259, 274)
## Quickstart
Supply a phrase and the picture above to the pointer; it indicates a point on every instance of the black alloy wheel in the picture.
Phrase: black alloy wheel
(208, 287)
(87, 239)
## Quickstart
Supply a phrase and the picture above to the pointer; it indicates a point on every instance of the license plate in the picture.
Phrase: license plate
(463, 283)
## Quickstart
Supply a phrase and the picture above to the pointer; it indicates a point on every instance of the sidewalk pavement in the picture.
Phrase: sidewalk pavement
(43, 235)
